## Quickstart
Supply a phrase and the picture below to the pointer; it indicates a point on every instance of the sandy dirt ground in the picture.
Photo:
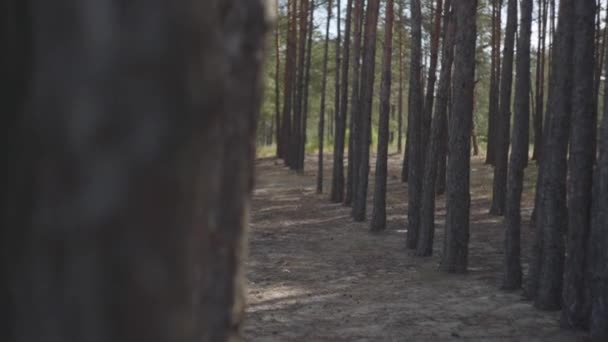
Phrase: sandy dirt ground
(315, 275)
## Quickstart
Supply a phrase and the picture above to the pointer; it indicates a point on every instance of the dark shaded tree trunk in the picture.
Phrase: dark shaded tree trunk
(512, 276)
(406, 156)
(323, 95)
(400, 29)
(290, 81)
(355, 103)
(432, 78)
(346, 57)
(455, 256)
(378, 221)
(540, 79)
(277, 91)
(415, 129)
(576, 310)
(598, 241)
(337, 188)
(303, 135)
(139, 233)
(298, 118)
(434, 150)
(503, 121)
(365, 114)
(552, 213)
(493, 111)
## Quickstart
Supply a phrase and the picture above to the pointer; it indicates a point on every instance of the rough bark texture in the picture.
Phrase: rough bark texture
(432, 77)
(414, 139)
(540, 79)
(337, 189)
(306, 100)
(321, 135)
(378, 221)
(494, 80)
(575, 313)
(277, 83)
(400, 29)
(434, 150)
(355, 104)
(552, 213)
(365, 115)
(503, 121)
(290, 77)
(455, 256)
(512, 276)
(599, 238)
(124, 205)
(345, 65)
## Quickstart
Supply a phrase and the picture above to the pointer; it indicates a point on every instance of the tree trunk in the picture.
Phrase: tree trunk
(289, 84)
(415, 127)
(300, 86)
(401, 77)
(540, 79)
(455, 256)
(599, 238)
(494, 81)
(438, 126)
(303, 135)
(575, 297)
(124, 205)
(503, 121)
(365, 115)
(323, 95)
(512, 276)
(346, 57)
(355, 103)
(432, 78)
(277, 91)
(378, 222)
(552, 213)
(337, 188)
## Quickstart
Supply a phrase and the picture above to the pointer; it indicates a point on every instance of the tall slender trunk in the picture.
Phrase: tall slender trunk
(540, 79)
(303, 135)
(355, 102)
(337, 188)
(277, 83)
(599, 236)
(503, 121)
(415, 127)
(378, 221)
(552, 213)
(438, 127)
(289, 83)
(512, 276)
(576, 301)
(321, 135)
(432, 77)
(455, 256)
(494, 81)
(400, 29)
(365, 114)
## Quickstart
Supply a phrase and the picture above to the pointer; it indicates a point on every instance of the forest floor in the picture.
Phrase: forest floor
(315, 275)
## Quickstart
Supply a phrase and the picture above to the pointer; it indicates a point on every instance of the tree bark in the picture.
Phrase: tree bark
(415, 128)
(576, 310)
(432, 77)
(401, 77)
(323, 95)
(512, 276)
(306, 100)
(540, 79)
(290, 80)
(277, 91)
(355, 102)
(503, 121)
(493, 111)
(552, 213)
(599, 237)
(124, 206)
(434, 150)
(365, 114)
(455, 256)
(378, 221)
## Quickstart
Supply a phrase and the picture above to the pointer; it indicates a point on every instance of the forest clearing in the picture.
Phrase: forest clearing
(314, 275)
